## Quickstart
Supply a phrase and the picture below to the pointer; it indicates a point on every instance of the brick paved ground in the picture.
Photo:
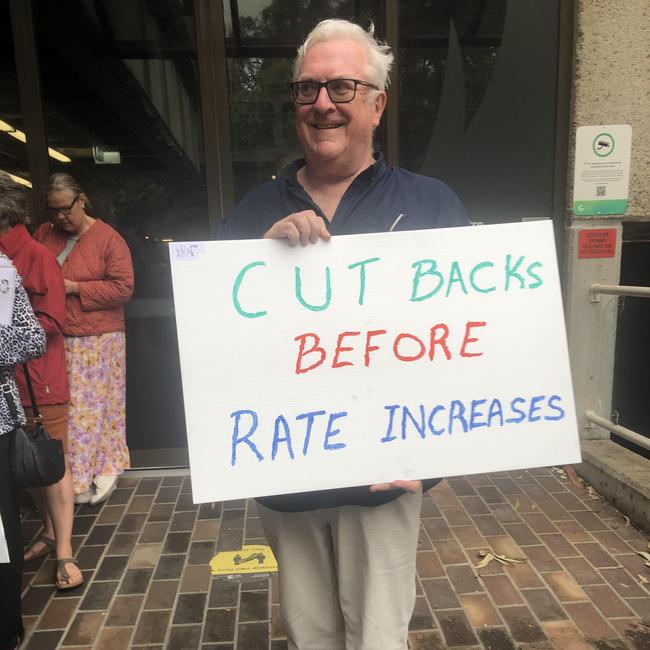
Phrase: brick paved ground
(144, 555)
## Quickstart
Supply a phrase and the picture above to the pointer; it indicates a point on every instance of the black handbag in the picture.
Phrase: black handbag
(37, 458)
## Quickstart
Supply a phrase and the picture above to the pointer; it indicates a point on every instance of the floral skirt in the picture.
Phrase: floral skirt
(97, 425)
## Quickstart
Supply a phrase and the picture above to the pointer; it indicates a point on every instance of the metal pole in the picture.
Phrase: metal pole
(29, 87)
(617, 290)
(211, 53)
(628, 434)
(391, 14)
(562, 128)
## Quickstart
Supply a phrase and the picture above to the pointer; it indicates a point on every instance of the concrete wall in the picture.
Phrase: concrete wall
(611, 85)
(611, 81)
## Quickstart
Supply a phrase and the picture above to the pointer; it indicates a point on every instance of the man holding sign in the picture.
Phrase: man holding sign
(346, 556)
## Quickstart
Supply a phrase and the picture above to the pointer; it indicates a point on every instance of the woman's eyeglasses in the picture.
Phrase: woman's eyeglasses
(65, 210)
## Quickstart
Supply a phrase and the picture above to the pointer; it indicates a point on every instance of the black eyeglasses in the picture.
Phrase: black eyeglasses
(66, 210)
(339, 91)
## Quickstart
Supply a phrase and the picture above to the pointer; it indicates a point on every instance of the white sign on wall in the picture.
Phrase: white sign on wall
(372, 358)
(602, 169)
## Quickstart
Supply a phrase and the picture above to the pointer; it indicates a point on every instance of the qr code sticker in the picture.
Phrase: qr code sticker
(601, 190)
(187, 252)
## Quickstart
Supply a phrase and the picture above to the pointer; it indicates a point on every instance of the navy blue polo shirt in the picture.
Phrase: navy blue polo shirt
(380, 199)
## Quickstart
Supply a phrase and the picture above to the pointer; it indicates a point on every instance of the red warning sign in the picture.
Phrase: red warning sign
(597, 243)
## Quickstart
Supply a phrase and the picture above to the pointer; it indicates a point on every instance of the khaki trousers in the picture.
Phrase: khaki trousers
(347, 574)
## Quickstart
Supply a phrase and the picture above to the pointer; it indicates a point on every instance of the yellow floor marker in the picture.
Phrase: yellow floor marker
(247, 560)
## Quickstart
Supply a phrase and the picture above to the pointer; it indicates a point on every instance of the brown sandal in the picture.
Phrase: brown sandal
(49, 546)
(63, 577)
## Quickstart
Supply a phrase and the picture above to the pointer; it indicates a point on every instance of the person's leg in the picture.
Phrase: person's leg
(82, 441)
(11, 628)
(375, 553)
(301, 543)
(60, 504)
(55, 421)
(59, 497)
(41, 545)
(112, 453)
(56, 502)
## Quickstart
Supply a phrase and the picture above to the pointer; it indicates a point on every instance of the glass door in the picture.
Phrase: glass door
(122, 103)
(262, 37)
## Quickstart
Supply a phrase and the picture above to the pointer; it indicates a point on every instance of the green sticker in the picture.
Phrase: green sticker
(611, 206)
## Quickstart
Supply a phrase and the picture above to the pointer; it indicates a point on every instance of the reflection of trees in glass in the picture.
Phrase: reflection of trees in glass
(154, 206)
(422, 73)
(425, 30)
(146, 209)
(289, 22)
(420, 85)
(258, 98)
(261, 116)
(261, 111)
(478, 63)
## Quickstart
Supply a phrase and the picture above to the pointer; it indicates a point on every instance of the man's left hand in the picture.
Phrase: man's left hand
(407, 486)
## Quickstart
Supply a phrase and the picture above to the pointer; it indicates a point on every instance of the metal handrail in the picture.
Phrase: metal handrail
(623, 432)
(617, 290)
(628, 434)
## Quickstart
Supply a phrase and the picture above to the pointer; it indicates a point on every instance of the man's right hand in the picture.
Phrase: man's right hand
(300, 227)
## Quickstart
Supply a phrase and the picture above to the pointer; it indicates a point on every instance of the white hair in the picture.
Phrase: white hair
(380, 58)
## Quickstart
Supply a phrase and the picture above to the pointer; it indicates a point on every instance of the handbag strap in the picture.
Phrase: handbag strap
(30, 390)
(6, 391)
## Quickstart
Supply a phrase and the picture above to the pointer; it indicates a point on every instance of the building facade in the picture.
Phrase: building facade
(168, 112)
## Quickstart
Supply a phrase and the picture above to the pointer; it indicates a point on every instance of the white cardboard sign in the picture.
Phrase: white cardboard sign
(372, 358)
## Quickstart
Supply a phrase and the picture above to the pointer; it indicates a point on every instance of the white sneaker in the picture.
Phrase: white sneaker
(104, 486)
(84, 497)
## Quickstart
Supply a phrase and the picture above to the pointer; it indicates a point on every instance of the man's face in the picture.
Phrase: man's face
(332, 132)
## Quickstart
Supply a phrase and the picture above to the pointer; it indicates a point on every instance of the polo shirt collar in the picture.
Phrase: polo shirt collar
(373, 172)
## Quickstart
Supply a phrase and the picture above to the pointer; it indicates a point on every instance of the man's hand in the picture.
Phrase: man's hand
(407, 486)
(300, 227)
(71, 287)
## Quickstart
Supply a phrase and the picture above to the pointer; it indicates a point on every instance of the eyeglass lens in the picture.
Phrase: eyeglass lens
(339, 90)
(63, 210)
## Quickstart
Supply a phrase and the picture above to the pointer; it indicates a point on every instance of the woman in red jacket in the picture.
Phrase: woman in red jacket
(43, 282)
(98, 279)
